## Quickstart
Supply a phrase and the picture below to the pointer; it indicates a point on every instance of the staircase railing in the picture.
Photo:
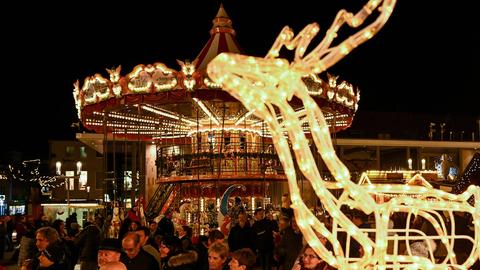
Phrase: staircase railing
(158, 200)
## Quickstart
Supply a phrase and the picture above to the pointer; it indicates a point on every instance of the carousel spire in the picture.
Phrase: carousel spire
(222, 22)
(222, 39)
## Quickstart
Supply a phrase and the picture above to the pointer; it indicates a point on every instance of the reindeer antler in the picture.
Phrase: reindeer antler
(323, 56)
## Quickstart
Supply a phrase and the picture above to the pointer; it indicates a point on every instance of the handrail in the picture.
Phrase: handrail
(158, 199)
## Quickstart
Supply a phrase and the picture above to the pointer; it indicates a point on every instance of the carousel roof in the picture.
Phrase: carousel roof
(155, 101)
(222, 39)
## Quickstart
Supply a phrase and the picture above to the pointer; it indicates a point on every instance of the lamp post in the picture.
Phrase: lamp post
(58, 166)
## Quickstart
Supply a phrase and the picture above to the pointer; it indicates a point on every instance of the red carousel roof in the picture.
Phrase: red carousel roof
(222, 39)
(155, 101)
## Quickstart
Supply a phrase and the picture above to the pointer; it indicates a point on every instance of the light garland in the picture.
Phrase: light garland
(141, 79)
(166, 113)
(225, 129)
(207, 111)
(267, 84)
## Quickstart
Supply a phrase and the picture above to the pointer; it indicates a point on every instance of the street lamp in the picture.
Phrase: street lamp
(88, 193)
(58, 166)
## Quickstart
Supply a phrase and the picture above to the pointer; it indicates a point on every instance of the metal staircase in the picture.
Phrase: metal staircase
(161, 199)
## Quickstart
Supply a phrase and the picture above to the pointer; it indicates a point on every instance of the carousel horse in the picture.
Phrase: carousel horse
(185, 208)
(114, 229)
(266, 85)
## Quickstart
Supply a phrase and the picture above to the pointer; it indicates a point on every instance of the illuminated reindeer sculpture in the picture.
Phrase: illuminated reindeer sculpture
(266, 85)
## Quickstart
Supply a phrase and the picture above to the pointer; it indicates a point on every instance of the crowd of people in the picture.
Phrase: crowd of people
(256, 240)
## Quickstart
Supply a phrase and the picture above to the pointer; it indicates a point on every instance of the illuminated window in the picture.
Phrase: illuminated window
(83, 152)
(70, 181)
(82, 181)
(128, 203)
(127, 180)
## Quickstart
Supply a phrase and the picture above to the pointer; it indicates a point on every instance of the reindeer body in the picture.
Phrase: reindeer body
(266, 85)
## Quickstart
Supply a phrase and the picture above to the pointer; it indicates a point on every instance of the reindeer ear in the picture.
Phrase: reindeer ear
(180, 63)
(194, 63)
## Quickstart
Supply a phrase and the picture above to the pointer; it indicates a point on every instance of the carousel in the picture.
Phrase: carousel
(177, 139)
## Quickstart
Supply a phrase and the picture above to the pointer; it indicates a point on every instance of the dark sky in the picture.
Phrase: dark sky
(422, 60)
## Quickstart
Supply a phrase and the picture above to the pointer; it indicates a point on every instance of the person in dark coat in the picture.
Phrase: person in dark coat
(3, 237)
(169, 246)
(263, 229)
(135, 258)
(183, 260)
(145, 242)
(52, 253)
(290, 244)
(124, 228)
(235, 210)
(241, 235)
(165, 226)
(185, 235)
(72, 219)
(202, 250)
(286, 210)
(87, 243)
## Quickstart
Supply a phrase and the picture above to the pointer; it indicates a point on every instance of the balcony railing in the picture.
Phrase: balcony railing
(208, 159)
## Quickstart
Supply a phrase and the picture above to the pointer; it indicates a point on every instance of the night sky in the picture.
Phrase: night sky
(423, 60)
